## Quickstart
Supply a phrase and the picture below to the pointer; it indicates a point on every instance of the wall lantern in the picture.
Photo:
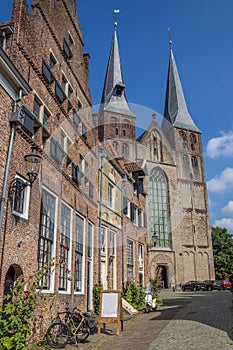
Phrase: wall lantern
(32, 164)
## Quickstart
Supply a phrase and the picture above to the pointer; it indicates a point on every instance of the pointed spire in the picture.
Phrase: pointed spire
(114, 97)
(175, 110)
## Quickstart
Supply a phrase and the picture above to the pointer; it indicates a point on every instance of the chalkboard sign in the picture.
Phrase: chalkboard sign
(111, 308)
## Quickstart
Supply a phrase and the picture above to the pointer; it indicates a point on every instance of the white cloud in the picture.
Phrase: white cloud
(224, 223)
(228, 209)
(220, 146)
(221, 183)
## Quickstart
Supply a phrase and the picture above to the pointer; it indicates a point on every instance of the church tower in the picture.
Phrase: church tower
(195, 259)
(116, 120)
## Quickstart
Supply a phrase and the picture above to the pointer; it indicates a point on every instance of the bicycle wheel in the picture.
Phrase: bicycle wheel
(57, 335)
(83, 333)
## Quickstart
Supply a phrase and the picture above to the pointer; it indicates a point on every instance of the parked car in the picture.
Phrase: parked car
(226, 284)
(213, 285)
(192, 285)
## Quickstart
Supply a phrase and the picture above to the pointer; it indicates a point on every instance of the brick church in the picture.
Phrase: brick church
(112, 206)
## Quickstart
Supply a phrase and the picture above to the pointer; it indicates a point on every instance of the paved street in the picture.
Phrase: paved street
(187, 320)
(206, 322)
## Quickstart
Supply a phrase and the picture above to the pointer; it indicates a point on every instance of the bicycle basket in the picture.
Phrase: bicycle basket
(92, 325)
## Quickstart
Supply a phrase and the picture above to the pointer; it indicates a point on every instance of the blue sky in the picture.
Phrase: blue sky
(201, 32)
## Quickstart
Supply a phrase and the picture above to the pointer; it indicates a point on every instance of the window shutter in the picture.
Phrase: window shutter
(59, 92)
(74, 172)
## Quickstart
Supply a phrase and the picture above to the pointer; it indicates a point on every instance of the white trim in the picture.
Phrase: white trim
(82, 292)
(68, 291)
(53, 253)
(26, 191)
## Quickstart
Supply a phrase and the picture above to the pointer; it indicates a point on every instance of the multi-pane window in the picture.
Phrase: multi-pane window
(21, 198)
(103, 240)
(140, 256)
(90, 241)
(65, 246)
(46, 235)
(111, 258)
(110, 195)
(79, 253)
(130, 265)
(125, 149)
(140, 218)
(111, 243)
(65, 142)
(133, 213)
(158, 195)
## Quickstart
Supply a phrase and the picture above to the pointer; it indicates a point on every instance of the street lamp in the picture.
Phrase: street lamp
(32, 162)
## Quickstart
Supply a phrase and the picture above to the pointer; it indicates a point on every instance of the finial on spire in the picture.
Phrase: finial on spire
(154, 116)
(116, 11)
(169, 37)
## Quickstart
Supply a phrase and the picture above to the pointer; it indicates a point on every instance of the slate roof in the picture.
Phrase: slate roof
(175, 110)
(110, 101)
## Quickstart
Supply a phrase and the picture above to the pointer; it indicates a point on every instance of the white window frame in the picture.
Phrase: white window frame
(68, 291)
(84, 250)
(53, 253)
(26, 192)
(103, 247)
(65, 144)
(110, 195)
(140, 256)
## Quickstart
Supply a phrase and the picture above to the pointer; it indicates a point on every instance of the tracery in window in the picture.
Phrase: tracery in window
(159, 208)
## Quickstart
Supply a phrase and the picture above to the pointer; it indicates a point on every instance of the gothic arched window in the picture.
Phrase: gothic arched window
(185, 160)
(193, 141)
(125, 149)
(113, 121)
(183, 139)
(116, 145)
(194, 161)
(159, 204)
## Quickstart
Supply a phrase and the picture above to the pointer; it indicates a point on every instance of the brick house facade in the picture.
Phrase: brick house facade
(93, 211)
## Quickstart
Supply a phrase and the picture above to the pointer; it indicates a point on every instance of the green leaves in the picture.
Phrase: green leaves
(223, 253)
(16, 317)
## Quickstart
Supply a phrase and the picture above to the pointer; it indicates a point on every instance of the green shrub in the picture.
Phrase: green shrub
(17, 313)
(134, 295)
(96, 297)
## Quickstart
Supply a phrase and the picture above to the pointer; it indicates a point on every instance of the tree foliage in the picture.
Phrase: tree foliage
(223, 253)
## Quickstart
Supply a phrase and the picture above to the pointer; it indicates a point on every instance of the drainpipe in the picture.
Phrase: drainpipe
(3, 197)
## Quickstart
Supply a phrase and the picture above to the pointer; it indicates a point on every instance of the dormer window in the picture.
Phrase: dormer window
(118, 89)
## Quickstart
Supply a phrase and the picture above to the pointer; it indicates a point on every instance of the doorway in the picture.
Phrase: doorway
(12, 274)
(162, 275)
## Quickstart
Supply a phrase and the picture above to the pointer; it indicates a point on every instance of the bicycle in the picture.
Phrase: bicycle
(77, 326)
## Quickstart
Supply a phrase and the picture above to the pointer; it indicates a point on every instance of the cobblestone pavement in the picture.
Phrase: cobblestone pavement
(206, 322)
(187, 320)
